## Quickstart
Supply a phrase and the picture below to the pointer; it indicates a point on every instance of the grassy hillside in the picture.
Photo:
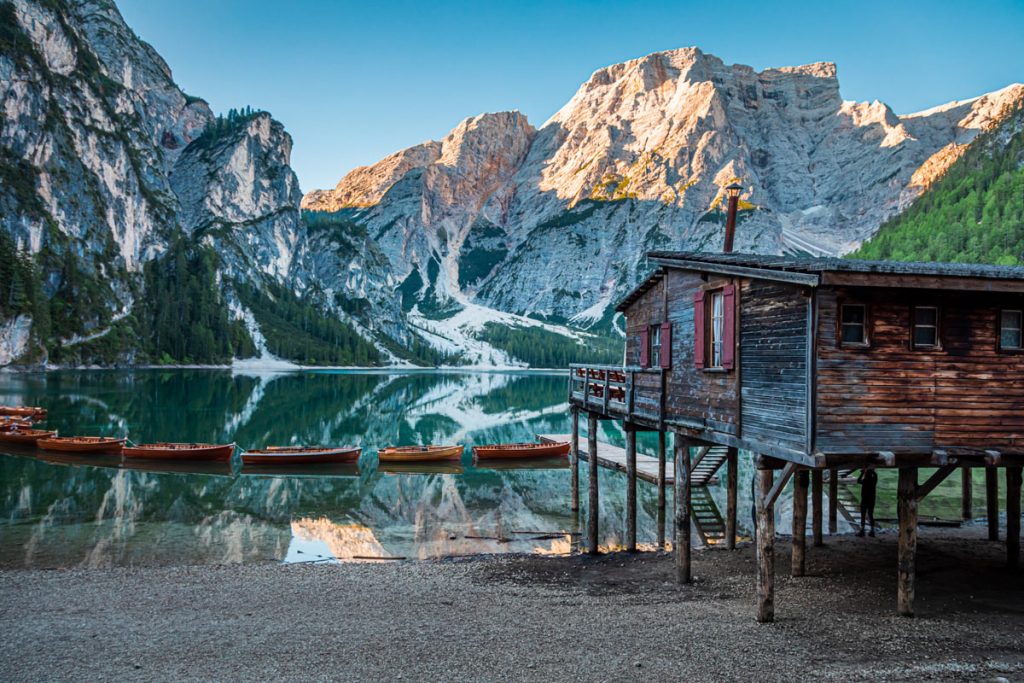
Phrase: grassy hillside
(973, 214)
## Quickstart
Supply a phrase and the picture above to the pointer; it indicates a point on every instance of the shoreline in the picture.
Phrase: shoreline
(617, 616)
(274, 369)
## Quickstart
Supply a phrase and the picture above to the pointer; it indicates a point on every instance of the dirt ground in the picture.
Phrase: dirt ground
(613, 617)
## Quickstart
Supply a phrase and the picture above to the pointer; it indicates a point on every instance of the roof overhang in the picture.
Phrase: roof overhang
(807, 279)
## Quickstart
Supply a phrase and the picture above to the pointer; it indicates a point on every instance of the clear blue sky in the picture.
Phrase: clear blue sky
(355, 81)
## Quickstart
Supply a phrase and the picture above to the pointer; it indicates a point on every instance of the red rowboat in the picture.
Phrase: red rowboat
(419, 453)
(9, 423)
(301, 455)
(25, 437)
(82, 444)
(508, 451)
(30, 412)
(180, 451)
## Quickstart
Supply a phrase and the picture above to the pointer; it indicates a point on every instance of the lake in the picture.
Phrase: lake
(76, 511)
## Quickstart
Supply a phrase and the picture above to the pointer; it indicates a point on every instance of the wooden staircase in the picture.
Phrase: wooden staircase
(709, 460)
(847, 501)
(705, 515)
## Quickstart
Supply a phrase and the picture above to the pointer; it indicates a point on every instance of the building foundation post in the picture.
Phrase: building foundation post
(906, 495)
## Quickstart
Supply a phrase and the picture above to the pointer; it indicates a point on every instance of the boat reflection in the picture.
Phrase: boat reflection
(79, 460)
(219, 468)
(349, 470)
(523, 464)
(420, 468)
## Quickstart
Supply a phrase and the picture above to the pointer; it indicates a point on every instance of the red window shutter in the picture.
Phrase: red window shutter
(645, 348)
(728, 326)
(698, 329)
(666, 345)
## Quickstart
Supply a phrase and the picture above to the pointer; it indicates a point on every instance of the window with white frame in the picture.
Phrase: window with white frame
(853, 325)
(926, 327)
(717, 327)
(1010, 324)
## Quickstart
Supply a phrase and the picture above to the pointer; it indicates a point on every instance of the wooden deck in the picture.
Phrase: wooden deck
(614, 458)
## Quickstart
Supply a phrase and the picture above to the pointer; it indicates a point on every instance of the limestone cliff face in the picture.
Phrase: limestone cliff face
(638, 159)
(104, 159)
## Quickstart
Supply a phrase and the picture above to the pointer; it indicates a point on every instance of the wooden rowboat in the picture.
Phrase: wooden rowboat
(31, 412)
(419, 453)
(25, 437)
(10, 423)
(510, 451)
(82, 444)
(181, 451)
(301, 455)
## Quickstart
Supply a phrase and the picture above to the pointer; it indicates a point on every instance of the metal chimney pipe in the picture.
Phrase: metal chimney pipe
(733, 192)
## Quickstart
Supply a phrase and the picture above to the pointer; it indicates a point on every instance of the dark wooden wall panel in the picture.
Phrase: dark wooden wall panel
(892, 398)
(773, 362)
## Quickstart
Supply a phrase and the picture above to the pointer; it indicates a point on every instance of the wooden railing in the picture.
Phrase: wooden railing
(629, 391)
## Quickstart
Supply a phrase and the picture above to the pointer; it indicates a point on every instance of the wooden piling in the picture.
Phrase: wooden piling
(817, 481)
(992, 502)
(906, 494)
(966, 494)
(594, 502)
(661, 489)
(630, 489)
(682, 481)
(1013, 482)
(765, 548)
(799, 555)
(833, 503)
(732, 482)
(574, 459)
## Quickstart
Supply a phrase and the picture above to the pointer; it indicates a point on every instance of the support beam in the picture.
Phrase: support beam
(937, 478)
(799, 555)
(731, 483)
(787, 472)
(682, 479)
(817, 480)
(661, 489)
(906, 503)
(574, 459)
(966, 494)
(992, 502)
(594, 502)
(1013, 481)
(630, 489)
(833, 501)
(765, 548)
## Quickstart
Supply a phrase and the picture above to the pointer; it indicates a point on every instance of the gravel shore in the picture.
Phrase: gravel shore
(614, 617)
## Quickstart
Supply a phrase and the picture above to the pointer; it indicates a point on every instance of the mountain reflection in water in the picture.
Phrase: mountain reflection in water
(75, 511)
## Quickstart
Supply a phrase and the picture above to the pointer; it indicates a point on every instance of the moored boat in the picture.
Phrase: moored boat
(419, 453)
(30, 412)
(180, 451)
(515, 451)
(8, 423)
(301, 455)
(25, 437)
(82, 444)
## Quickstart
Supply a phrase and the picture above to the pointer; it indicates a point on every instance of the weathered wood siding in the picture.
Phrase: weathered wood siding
(889, 397)
(773, 362)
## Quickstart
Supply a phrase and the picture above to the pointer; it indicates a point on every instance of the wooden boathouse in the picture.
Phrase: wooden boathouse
(811, 365)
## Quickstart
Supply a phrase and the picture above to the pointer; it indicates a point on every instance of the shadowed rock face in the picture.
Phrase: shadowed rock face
(637, 159)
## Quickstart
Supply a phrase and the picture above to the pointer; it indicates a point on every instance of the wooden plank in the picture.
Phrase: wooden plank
(966, 494)
(630, 490)
(682, 516)
(574, 459)
(992, 502)
(614, 457)
(798, 566)
(765, 548)
(732, 485)
(1013, 484)
(816, 508)
(907, 511)
(593, 507)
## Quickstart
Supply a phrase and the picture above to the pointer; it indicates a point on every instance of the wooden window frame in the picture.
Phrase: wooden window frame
(654, 349)
(710, 362)
(1020, 330)
(937, 346)
(865, 325)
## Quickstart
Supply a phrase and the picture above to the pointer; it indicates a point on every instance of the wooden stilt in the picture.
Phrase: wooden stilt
(817, 481)
(1013, 482)
(630, 489)
(594, 502)
(833, 495)
(765, 548)
(732, 482)
(799, 559)
(992, 502)
(682, 479)
(574, 459)
(661, 489)
(966, 494)
(906, 497)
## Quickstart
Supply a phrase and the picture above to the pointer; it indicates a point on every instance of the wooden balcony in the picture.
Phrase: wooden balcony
(633, 393)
